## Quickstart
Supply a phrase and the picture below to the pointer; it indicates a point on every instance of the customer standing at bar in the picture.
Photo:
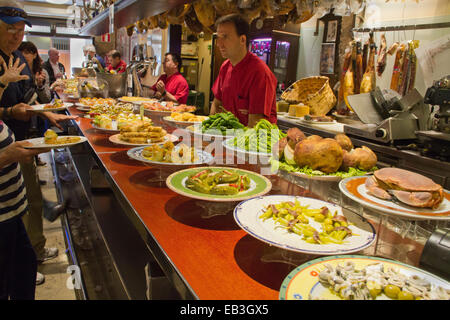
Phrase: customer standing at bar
(54, 68)
(245, 85)
(15, 97)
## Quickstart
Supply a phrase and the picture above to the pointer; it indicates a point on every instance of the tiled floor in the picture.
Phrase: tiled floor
(54, 287)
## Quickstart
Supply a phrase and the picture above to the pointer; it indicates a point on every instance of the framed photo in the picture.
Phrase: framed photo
(332, 30)
(327, 58)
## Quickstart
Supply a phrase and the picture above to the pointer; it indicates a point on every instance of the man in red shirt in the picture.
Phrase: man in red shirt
(245, 85)
(171, 86)
(117, 64)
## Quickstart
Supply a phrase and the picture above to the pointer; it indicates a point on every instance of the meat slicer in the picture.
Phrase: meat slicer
(437, 139)
(386, 116)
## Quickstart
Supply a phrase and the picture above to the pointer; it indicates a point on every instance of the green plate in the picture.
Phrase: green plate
(259, 185)
(303, 282)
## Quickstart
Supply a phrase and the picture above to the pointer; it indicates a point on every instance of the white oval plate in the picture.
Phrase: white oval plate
(196, 131)
(115, 139)
(316, 122)
(316, 177)
(247, 215)
(183, 123)
(84, 109)
(137, 101)
(355, 189)
(38, 143)
(40, 107)
(340, 116)
(262, 156)
(104, 129)
(203, 158)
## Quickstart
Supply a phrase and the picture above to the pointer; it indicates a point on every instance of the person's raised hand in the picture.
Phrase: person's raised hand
(12, 71)
(160, 87)
(40, 78)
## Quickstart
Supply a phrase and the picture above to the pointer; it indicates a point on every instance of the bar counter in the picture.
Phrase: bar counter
(213, 257)
(206, 257)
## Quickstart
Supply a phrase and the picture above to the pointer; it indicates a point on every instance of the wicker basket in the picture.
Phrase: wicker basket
(314, 92)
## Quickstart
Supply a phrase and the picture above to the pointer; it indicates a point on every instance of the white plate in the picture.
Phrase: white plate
(104, 129)
(316, 177)
(203, 158)
(197, 132)
(286, 115)
(261, 156)
(40, 107)
(150, 113)
(247, 215)
(316, 122)
(38, 143)
(355, 189)
(340, 116)
(84, 109)
(137, 101)
(182, 124)
(115, 139)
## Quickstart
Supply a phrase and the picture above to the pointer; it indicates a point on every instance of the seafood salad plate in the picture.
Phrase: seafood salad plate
(356, 277)
(399, 203)
(305, 225)
(218, 184)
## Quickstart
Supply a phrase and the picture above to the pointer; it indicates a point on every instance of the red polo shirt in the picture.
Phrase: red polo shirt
(176, 85)
(121, 67)
(249, 85)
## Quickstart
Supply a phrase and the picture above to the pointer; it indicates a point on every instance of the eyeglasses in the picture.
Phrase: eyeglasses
(15, 31)
(13, 12)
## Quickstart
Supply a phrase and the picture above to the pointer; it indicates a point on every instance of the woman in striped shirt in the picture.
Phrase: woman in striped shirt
(18, 265)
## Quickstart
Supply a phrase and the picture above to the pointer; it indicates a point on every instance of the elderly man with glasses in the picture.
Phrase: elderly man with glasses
(16, 93)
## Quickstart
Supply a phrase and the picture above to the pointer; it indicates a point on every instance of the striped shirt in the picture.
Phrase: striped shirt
(13, 201)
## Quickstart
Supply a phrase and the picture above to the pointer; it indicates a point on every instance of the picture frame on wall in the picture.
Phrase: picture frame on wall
(332, 31)
(327, 58)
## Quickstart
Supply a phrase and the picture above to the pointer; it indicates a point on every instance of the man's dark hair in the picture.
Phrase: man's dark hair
(175, 58)
(116, 54)
(240, 23)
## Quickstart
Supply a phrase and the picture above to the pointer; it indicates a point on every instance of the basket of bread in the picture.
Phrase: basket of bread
(314, 92)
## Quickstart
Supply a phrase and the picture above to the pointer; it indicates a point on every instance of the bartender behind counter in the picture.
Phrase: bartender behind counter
(245, 85)
(117, 65)
(171, 85)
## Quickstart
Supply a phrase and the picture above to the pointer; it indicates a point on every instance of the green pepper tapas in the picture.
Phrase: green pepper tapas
(219, 184)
